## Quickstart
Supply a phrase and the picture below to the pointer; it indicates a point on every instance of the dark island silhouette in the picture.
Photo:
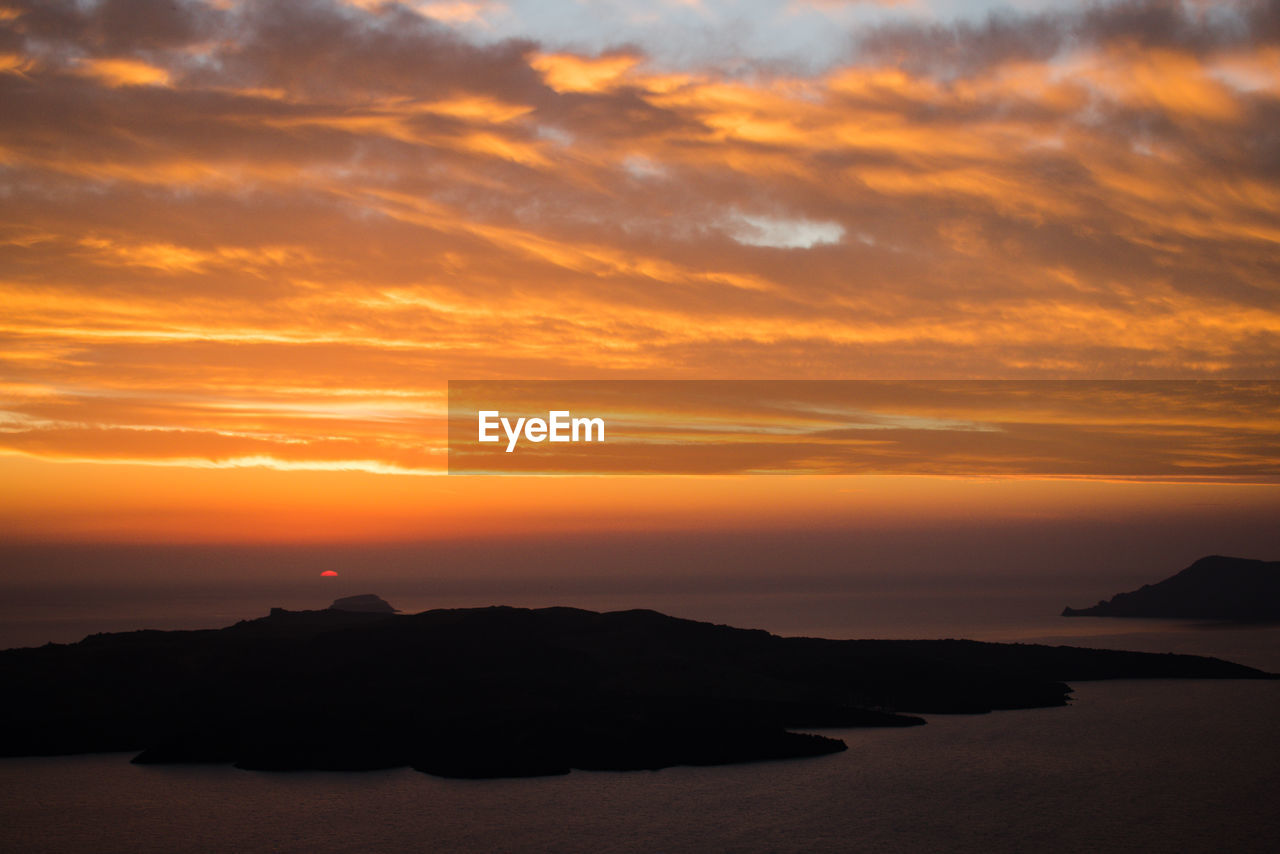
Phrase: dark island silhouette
(1215, 587)
(367, 603)
(494, 692)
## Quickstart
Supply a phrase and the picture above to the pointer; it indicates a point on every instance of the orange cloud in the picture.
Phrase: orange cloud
(125, 72)
(221, 248)
(568, 73)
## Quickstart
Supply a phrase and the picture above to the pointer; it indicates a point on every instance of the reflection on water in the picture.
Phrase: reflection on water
(1157, 766)
(1180, 766)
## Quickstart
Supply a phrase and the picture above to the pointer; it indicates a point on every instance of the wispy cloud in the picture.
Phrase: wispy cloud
(1160, 431)
(317, 201)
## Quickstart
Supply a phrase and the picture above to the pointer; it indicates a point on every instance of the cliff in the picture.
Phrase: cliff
(1216, 587)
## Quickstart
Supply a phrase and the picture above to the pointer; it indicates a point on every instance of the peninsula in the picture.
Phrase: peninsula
(492, 692)
(1215, 587)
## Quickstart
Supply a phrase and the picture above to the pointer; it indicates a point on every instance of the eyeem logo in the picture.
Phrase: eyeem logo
(558, 426)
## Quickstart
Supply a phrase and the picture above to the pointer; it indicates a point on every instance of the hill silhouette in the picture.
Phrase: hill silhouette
(366, 602)
(1215, 587)
(491, 692)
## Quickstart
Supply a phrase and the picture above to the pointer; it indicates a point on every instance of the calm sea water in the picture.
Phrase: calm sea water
(1150, 766)
(1167, 766)
(876, 610)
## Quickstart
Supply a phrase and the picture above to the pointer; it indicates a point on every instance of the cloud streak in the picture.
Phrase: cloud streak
(220, 215)
(1162, 431)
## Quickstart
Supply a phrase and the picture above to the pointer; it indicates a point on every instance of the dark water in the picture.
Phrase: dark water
(1165, 766)
(1176, 766)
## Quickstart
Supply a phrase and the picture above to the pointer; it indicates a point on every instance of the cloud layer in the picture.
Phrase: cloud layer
(265, 233)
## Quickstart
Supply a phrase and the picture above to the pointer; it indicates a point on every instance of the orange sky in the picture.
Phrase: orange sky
(243, 247)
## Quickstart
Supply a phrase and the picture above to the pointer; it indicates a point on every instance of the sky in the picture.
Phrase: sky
(245, 245)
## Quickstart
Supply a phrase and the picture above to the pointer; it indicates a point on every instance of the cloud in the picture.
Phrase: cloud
(1187, 431)
(459, 11)
(313, 201)
(777, 233)
(125, 72)
(568, 73)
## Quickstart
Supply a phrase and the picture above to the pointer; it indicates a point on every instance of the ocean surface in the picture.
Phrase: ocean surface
(1143, 766)
(876, 608)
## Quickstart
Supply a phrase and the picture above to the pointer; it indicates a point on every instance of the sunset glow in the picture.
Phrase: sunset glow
(244, 245)
(610, 425)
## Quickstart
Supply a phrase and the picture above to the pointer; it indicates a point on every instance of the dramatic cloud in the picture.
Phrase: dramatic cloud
(266, 233)
(1179, 431)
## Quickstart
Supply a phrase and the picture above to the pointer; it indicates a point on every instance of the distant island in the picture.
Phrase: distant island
(368, 603)
(497, 692)
(1215, 587)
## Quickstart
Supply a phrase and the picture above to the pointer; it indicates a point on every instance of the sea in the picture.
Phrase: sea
(1130, 765)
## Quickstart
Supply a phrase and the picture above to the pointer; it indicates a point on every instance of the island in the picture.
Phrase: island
(369, 603)
(501, 691)
(1214, 587)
